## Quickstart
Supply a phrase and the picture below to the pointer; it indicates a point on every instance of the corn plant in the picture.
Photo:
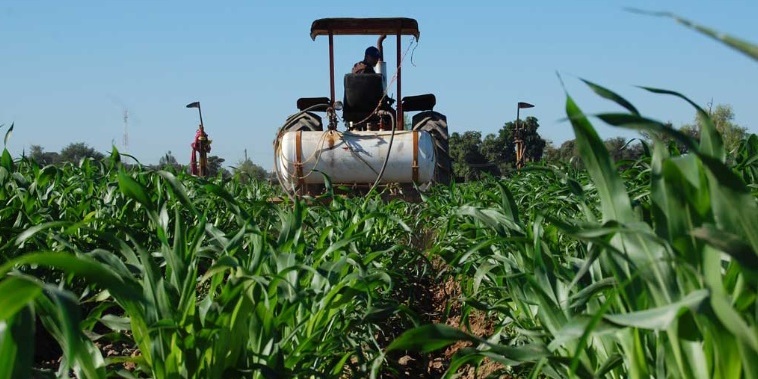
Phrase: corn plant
(660, 281)
(205, 278)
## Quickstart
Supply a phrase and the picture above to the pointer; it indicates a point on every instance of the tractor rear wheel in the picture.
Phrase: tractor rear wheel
(435, 124)
(303, 121)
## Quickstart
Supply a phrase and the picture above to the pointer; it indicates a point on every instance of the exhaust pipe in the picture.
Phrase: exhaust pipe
(381, 65)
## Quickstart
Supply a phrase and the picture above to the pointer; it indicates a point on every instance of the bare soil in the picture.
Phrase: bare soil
(437, 301)
(446, 309)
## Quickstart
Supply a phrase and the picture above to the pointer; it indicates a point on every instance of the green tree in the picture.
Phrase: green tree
(535, 144)
(500, 150)
(621, 149)
(247, 171)
(723, 119)
(551, 152)
(214, 167)
(75, 152)
(466, 153)
(495, 155)
(690, 130)
(169, 163)
(38, 154)
(566, 152)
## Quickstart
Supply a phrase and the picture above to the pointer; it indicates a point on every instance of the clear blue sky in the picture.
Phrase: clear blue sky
(69, 69)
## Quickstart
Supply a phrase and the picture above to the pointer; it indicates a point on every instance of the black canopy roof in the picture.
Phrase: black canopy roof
(365, 26)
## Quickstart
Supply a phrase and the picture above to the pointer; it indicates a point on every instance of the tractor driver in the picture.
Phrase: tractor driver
(370, 59)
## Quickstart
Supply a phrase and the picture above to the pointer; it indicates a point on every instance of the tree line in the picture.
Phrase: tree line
(475, 157)
(245, 170)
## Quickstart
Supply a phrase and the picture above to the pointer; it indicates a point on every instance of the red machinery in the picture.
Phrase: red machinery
(200, 146)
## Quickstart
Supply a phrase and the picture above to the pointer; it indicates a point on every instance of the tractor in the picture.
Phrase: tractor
(374, 148)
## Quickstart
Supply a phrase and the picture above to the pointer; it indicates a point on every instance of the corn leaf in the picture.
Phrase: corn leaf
(17, 343)
(18, 292)
(660, 318)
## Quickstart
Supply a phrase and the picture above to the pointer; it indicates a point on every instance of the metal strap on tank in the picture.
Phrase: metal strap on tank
(298, 158)
(415, 157)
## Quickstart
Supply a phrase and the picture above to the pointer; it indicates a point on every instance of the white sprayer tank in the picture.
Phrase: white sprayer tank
(355, 157)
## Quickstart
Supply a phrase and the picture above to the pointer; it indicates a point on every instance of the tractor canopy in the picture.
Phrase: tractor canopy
(365, 26)
(383, 26)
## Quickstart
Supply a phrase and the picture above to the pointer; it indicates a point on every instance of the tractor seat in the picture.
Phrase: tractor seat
(363, 92)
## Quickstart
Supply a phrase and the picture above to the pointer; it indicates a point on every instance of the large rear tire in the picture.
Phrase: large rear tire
(435, 124)
(303, 121)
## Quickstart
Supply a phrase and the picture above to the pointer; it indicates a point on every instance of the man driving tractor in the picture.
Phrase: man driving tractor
(370, 59)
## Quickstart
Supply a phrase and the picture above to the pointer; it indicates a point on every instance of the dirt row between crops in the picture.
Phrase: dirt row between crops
(439, 303)
(436, 298)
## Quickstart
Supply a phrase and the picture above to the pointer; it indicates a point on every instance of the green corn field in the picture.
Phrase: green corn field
(646, 271)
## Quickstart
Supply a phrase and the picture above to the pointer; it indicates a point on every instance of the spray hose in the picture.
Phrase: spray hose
(387, 157)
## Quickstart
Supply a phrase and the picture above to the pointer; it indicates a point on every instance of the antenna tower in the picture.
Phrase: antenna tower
(126, 125)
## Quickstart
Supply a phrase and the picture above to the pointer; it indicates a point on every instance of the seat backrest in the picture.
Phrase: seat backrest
(304, 103)
(363, 91)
